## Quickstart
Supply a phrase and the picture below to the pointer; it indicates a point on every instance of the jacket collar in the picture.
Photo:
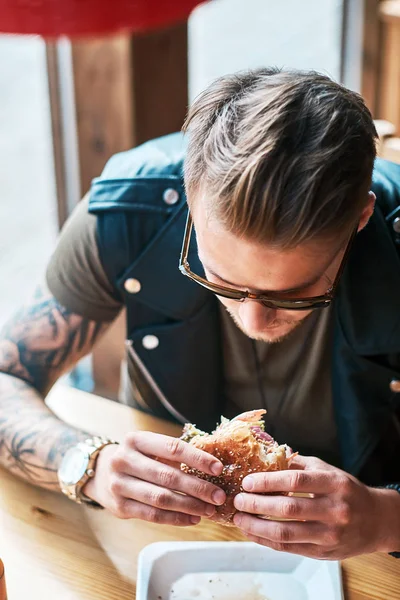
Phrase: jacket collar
(368, 301)
(163, 287)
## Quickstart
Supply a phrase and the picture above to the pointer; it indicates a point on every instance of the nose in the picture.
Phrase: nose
(255, 316)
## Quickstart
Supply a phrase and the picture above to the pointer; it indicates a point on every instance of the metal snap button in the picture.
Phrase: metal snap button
(150, 342)
(396, 224)
(170, 196)
(395, 386)
(133, 286)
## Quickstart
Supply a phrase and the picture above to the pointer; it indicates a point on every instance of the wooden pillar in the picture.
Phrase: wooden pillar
(103, 102)
(127, 91)
(389, 88)
(359, 68)
(370, 58)
(124, 91)
(159, 82)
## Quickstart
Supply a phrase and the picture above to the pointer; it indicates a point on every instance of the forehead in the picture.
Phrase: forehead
(252, 265)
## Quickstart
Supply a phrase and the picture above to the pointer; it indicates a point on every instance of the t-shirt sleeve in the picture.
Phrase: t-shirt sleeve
(75, 274)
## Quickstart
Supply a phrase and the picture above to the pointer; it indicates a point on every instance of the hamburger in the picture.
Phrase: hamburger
(243, 447)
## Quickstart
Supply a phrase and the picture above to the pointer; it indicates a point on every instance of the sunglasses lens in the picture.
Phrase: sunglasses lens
(296, 305)
(232, 296)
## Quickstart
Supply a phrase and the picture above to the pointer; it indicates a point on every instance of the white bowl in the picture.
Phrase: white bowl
(233, 571)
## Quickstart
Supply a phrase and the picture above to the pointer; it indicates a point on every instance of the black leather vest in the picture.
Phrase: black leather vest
(140, 205)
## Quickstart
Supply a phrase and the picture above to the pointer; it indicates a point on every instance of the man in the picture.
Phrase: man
(290, 303)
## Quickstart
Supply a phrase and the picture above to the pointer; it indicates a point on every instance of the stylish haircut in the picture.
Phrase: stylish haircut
(280, 156)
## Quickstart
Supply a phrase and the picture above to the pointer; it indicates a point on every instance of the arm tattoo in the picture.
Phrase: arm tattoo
(43, 339)
(37, 345)
(32, 439)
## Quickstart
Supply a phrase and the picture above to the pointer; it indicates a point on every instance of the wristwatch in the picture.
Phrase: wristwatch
(78, 466)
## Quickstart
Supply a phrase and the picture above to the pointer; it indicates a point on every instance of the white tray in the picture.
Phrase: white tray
(232, 571)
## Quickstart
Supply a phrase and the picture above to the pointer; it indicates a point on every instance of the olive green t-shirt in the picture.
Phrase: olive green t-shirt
(294, 374)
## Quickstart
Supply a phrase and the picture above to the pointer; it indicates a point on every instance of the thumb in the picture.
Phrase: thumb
(298, 462)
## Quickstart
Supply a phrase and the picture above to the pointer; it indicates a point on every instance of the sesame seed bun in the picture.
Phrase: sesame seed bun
(243, 448)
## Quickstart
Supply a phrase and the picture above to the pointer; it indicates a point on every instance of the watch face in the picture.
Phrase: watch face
(73, 466)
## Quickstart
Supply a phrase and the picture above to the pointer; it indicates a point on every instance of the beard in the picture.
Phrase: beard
(290, 325)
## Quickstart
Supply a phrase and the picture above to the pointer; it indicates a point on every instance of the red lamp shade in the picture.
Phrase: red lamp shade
(52, 18)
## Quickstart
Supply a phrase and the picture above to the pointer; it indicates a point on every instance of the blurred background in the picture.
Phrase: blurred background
(67, 106)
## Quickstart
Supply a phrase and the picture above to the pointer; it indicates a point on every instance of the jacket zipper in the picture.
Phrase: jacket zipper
(153, 384)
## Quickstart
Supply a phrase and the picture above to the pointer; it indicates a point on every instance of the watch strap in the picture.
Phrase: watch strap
(97, 444)
(92, 446)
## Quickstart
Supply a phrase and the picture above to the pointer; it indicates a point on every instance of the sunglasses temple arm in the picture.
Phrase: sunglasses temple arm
(186, 240)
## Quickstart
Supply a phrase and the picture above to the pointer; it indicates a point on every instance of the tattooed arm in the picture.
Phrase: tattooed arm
(40, 343)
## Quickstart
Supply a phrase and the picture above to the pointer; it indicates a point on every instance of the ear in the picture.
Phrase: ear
(367, 211)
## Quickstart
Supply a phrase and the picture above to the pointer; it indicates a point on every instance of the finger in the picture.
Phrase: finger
(152, 495)
(285, 507)
(317, 482)
(132, 509)
(283, 533)
(170, 448)
(140, 466)
(309, 550)
(310, 463)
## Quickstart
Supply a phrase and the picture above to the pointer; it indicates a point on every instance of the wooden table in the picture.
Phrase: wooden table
(54, 549)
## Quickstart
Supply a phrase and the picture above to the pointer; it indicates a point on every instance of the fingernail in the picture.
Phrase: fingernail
(195, 520)
(209, 511)
(239, 502)
(216, 468)
(218, 497)
(248, 483)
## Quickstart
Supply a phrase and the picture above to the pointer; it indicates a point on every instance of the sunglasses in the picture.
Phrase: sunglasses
(270, 300)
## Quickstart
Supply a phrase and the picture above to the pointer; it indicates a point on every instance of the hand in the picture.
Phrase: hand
(342, 518)
(131, 482)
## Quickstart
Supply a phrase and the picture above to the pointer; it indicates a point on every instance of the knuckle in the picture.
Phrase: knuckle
(298, 479)
(161, 499)
(343, 514)
(253, 504)
(120, 508)
(167, 478)
(178, 519)
(279, 546)
(154, 515)
(117, 462)
(132, 438)
(283, 535)
(115, 486)
(174, 447)
(343, 484)
(289, 510)
(200, 489)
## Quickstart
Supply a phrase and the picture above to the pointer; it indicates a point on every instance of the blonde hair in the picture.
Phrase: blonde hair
(280, 156)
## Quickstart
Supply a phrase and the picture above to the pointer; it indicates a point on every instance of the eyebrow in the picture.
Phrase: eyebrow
(298, 288)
